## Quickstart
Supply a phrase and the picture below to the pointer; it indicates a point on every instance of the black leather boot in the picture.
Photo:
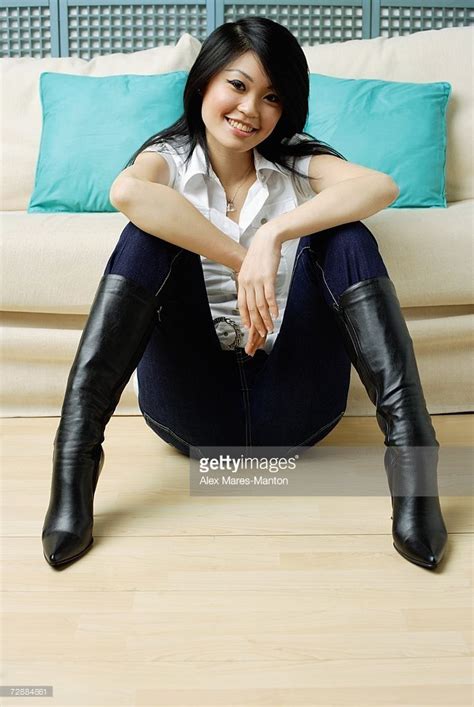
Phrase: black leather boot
(380, 347)
(115, 336)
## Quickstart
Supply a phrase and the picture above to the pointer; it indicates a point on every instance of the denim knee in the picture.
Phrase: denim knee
(346, 239)
(347, 254)
(142, 257)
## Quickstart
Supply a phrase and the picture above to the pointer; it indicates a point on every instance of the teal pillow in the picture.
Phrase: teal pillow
(91, 127)
(395, 128)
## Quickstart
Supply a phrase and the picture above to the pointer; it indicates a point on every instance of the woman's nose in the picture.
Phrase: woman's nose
(249, 108)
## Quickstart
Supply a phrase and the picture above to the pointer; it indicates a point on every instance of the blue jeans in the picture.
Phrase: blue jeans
(193, 393)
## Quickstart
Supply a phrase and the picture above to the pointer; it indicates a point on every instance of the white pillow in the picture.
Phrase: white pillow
(21, 106)
(422, 57)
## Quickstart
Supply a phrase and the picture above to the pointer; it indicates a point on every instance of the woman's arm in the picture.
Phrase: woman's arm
(163, 212)
(345, 191)
(339, 202)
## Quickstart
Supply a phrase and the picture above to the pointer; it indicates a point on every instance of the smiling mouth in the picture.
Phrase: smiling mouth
(240, 126)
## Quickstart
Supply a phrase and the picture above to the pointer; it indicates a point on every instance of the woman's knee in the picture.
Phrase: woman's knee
(348, 254)
(134, 237)
(135, 247)
(345, 240)
(143, 258)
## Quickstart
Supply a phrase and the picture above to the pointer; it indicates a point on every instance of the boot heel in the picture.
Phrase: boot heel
(99, 469)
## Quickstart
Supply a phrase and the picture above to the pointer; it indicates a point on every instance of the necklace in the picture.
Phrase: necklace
(230, 202)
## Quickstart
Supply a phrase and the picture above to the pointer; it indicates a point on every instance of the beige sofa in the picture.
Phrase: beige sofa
(52, 263)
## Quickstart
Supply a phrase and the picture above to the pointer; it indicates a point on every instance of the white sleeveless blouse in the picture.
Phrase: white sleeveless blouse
(272, 194)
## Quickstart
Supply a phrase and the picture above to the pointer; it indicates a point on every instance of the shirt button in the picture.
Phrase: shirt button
(263, 220)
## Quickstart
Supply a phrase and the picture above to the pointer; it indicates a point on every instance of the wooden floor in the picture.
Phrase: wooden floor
(203, 601)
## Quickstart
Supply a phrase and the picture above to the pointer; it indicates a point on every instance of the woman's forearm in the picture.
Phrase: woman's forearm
(350, 200)
(163, 212)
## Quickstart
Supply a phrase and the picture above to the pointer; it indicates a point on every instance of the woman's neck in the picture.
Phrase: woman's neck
(231, 167)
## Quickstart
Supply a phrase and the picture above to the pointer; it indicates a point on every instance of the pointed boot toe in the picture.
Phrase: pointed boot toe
(423, 553)
(61, 547)
(418, 530)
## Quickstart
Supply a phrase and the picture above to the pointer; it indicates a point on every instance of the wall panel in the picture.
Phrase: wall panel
(83, 28)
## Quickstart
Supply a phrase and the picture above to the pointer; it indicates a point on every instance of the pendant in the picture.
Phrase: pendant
(230, 207)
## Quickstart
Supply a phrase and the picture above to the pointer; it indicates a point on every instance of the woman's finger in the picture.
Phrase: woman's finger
(254, 342)
(242, 305)
(254, 312)
(262, 305)
(253, 334)
(269, 290)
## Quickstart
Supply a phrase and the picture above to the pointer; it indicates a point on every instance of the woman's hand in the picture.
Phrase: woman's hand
(255, 341)
(256, 287)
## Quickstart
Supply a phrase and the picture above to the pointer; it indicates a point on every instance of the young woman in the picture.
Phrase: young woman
(241, 290)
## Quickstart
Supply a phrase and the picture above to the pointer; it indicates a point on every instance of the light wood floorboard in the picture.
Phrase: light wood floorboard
(229, 601)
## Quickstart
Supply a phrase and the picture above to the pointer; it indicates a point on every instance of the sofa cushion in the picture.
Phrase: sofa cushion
(92, 125)
(38, 351)
(432, 55)
(428, 253)
(394, 127)
(21, 107)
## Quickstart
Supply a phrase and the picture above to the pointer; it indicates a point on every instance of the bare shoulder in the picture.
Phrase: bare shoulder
(149, 167)
(326, 170)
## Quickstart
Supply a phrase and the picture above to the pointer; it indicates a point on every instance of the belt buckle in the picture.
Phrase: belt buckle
(231, 329)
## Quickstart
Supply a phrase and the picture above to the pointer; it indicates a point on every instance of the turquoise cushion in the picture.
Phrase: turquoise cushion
(395, 128)
(91, 127)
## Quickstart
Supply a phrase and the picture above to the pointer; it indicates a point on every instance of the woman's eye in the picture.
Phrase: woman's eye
(238, 85)
(234, 82)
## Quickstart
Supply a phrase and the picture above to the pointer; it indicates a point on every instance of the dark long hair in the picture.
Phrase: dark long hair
(285, 64)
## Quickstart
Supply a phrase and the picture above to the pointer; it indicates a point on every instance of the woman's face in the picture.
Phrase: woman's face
(241, 92)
